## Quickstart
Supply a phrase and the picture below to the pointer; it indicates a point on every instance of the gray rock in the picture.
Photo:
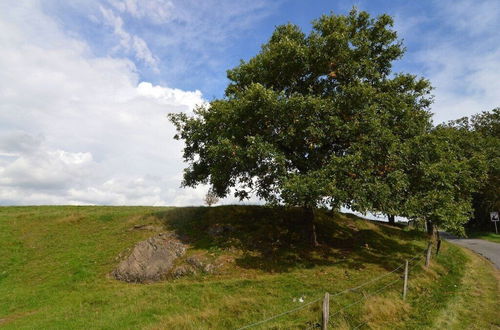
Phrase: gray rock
(151, 259)
(209, 268)
(202, 264)
(183, 270)
(196, 261)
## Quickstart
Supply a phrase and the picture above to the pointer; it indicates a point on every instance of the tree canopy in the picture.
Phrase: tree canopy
(487, 199)
(311, 120)
(483, 130)
(445, 168)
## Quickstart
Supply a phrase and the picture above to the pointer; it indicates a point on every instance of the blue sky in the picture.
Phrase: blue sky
(195, 42)
(87, 84)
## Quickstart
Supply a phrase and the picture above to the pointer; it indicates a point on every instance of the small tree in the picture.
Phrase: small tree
(487, 199)
(311, 120)
(445, 168)
(211, 198)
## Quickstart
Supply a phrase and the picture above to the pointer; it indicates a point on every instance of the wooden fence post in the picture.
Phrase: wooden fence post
(326, 311)
(429, 253)
(405, 285)
(428, 256)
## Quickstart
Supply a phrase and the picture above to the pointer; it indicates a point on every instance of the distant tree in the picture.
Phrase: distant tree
(445, 168)
(487, 199)
(211, 198)
(484, 128)
(312, 120)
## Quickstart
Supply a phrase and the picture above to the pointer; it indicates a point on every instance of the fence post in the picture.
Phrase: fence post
(326, 311)
(405, 285)
(428, 256)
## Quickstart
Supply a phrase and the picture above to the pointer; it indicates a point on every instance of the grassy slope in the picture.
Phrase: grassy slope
(55, 261)
(489, 236)
(473, 307)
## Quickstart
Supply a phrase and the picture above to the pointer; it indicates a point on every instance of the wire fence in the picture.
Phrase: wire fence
(364, 297)
(346, 307)
(416, 260)
(282, 314)
(359, 325)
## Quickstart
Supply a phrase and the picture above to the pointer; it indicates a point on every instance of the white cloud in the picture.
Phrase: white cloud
(129, 42)
(466, 82)
(200, 39)
(457, 47)
(472, 17)
(46, 169)
(13, 143)
(184, 42)
(80, 129)
(169, 96)
(138, 191)
(158, 11)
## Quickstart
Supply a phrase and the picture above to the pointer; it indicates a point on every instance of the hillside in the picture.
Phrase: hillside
(55, 265)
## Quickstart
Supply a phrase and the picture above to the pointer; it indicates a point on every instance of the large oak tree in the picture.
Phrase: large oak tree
(312, 120)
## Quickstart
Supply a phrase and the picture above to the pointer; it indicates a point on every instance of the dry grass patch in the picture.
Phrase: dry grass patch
(428, 276)
(13, 317)
(384, 312)
(201, 319)
(210, 317)
(342, 325)
(71, 219)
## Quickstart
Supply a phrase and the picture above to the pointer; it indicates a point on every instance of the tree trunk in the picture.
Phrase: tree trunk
(309, 212)
(391, 218)
(430, 234)
(430, 229)
(438, 236)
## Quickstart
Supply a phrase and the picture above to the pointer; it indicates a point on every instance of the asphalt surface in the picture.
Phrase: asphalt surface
(487, 249)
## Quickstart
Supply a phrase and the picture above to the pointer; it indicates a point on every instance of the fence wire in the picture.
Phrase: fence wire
(335, 295)
(360, 300)
(282, 314)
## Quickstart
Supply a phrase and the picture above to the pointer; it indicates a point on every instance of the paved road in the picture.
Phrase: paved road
(487, 249)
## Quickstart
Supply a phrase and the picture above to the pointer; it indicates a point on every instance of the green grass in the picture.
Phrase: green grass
(55, 263)
(429, 294)
(489, 236)
(474, 304)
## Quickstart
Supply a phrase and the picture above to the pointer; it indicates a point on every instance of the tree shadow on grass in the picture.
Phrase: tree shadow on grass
(276, 239)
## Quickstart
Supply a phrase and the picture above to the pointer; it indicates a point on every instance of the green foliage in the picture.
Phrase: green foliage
(480, 141)
(487, 125)
(445, 168)
(321, 119)
(312, 120)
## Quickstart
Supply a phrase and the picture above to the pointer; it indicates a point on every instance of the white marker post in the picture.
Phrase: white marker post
(495, 219)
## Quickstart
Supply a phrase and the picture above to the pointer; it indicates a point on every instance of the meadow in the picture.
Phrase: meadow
(55, 265)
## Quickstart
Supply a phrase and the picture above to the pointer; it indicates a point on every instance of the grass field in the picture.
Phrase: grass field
(489, 236)
(55, 263)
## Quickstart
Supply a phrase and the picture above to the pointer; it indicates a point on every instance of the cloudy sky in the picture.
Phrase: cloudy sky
(86, 85)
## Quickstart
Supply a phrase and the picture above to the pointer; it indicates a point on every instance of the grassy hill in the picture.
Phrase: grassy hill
(55, 263)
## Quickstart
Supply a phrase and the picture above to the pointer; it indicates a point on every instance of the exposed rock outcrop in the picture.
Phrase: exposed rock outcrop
(151, 259)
